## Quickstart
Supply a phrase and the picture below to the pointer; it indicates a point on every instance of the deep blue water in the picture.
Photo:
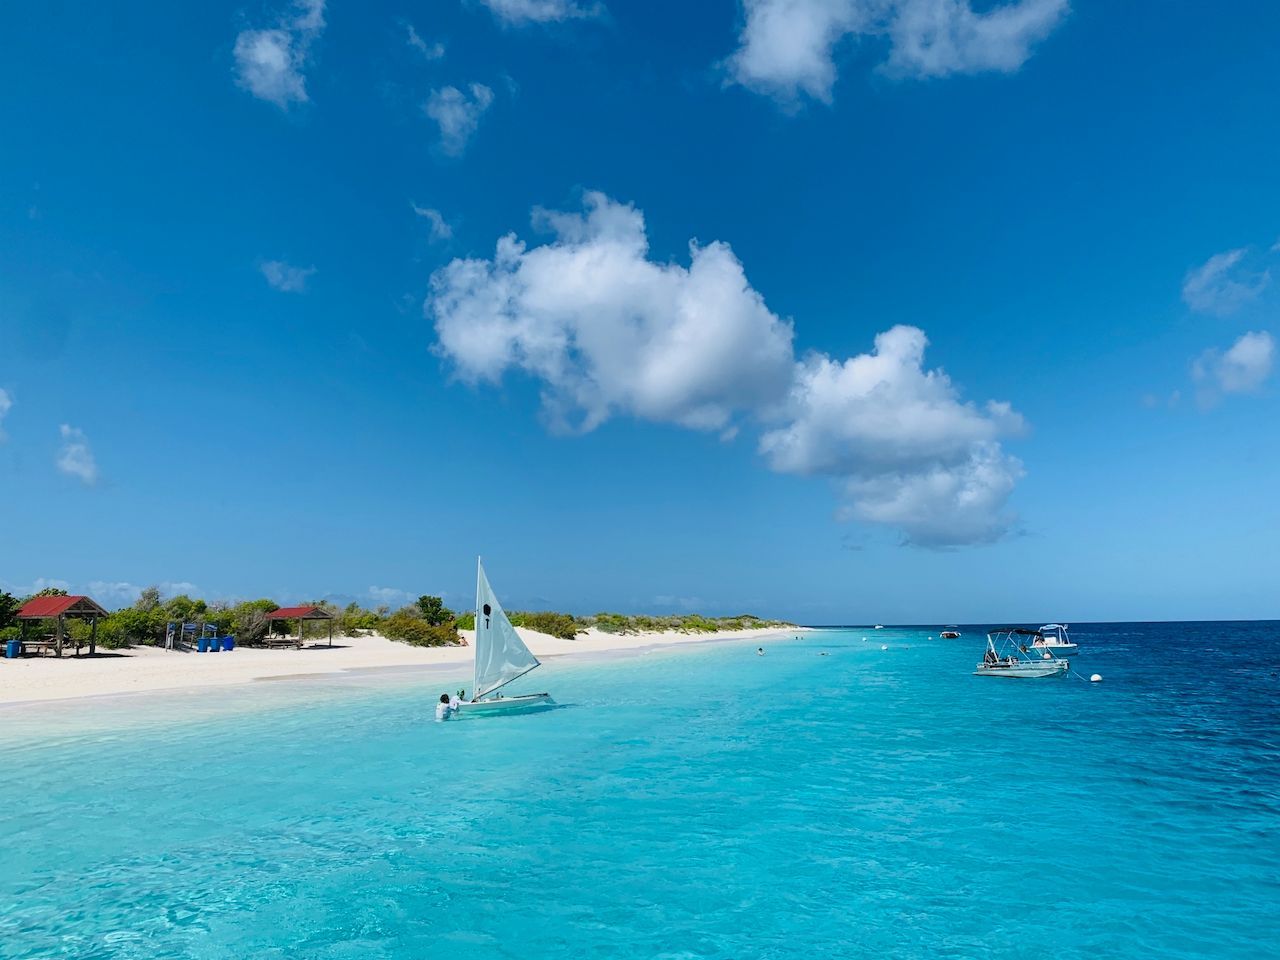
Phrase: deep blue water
(696, 803)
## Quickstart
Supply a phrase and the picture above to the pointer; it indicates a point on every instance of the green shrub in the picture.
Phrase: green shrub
(406, 628)
(9, 633)
(466, 622)
(560, 625)
(131, 626)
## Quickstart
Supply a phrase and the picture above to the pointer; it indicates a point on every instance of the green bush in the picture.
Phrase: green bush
(466, 622)
(560, 625)
(131, 626)
(407, 628)
(9, 633)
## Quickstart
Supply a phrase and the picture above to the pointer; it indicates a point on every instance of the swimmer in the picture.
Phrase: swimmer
(444, 709)
(759, 651)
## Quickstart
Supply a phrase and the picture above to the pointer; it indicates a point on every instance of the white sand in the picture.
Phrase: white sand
(146, 669)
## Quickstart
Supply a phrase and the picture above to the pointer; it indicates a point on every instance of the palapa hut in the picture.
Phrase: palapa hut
(58, 609)
(302, 615)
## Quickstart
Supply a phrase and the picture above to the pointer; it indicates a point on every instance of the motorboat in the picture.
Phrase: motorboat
(1008, 655)
(1054, 642)
(950, 633)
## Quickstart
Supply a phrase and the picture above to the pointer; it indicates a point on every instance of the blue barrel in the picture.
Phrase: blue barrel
(228, 643)
(13, 649)
(215, 644)
(202, 645)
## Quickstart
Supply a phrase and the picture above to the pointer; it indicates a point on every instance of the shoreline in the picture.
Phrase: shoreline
(142, 671)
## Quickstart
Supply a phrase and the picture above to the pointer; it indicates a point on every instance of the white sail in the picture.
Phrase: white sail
(501, 655)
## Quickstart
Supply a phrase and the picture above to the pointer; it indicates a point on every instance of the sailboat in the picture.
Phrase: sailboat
(501, 657)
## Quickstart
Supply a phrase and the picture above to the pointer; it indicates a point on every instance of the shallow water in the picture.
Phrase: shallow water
(695, 803)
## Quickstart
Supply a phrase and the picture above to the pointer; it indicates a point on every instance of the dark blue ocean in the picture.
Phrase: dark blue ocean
(694, 803)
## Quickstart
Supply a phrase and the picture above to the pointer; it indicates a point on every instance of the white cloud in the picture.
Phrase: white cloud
(286, 278)
(608, 331)
(431, 51)
(114, 593)
(269, 63)
(21, 590)
(6, 404)
(907, 451)
(1242, 368)
(389, 596)
(1220, 286)
(541, 11)
(440, 229)
(787, 47)
(457, 114)
(75, 459)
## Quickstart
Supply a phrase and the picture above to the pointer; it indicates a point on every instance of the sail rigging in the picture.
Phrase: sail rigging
(501, 655)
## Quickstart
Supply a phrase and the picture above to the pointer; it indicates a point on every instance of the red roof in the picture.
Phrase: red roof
(300, 613)
(40, 607)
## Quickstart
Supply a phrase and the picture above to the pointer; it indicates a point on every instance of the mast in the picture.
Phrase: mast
(475, 653)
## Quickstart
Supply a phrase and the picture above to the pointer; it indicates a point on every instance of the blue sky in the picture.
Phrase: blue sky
(977, 321)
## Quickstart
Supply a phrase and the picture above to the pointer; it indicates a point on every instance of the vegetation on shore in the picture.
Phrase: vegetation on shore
(567, 626)
(425, 623)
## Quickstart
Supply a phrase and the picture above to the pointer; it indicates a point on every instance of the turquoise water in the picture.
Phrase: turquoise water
(695, 803)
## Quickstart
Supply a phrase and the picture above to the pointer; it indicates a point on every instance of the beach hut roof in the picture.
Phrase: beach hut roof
(40, 608)
(300, 613)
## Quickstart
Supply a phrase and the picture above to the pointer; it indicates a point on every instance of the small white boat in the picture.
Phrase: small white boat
(950, 633)
(879, 626)
(1010, 658)
(1053, 640)
(501, 657)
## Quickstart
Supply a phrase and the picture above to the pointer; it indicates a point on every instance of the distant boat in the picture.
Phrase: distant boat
(950, 633)
(879, 626)
(1054, 641)
(1007, 656)
(501, 657)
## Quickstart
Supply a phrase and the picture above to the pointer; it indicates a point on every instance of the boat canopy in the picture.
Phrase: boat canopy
(1016, 631)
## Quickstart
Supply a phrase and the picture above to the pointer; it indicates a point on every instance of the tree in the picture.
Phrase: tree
(9, 607)
(434, 611)
(147, 600)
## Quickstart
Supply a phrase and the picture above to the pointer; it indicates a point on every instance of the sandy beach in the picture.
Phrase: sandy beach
(148, 669)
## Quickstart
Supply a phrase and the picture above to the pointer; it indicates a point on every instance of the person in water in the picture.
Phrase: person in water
(759, 651)
(444, 709)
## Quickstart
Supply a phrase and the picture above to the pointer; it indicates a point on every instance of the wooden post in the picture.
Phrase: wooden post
(57, 642)
(93, 636)
(331, 631)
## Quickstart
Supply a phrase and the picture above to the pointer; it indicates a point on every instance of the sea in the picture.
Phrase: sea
(852, 793)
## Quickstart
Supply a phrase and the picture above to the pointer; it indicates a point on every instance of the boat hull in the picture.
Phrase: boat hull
(949, 635)
(1056, 651)
(1025, 671)
(502, 706)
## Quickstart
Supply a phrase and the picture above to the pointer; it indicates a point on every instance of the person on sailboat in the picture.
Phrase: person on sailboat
(444, 709)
